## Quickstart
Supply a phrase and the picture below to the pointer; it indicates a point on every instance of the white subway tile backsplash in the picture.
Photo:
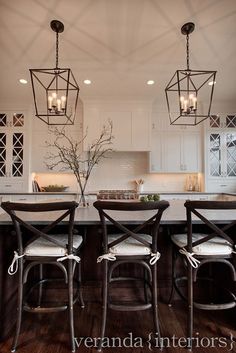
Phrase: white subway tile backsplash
(119, 171)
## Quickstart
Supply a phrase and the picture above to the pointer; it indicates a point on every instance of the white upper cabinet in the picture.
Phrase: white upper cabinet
(14, 150)
(222, 121)
(130, 121)
(156, 155)
(121, 128)
(191, 152)
(175, 152)
(42, 137)
(220, 153)
(221, 161)
(172, 158)
(141, 131)
(12, 120)
(174, 148)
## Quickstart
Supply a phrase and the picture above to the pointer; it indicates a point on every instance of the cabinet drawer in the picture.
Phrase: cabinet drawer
(23, 198)
(10, 186)
(221, 186)
(56, 197)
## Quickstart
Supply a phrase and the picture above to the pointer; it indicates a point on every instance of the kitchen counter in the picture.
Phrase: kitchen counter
(142, 193)
(175, 214)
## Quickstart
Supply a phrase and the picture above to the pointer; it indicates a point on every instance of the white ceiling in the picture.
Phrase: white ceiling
(118, 44)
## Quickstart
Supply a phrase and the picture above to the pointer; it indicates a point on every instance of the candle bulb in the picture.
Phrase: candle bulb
(58, 105)
(63, 102)
(54, 99)
(194, 103)
(50, 102)
(191, 101)
(182, 102)
(185, 106)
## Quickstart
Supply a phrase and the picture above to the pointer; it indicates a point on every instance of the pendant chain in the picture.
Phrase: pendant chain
(57, 49)
(187, 50)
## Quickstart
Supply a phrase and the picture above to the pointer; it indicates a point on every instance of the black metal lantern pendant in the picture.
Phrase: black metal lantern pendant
(189, 92)
(55, 90)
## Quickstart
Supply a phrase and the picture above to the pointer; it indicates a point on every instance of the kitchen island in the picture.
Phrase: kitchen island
(87, 222)
(87, 216)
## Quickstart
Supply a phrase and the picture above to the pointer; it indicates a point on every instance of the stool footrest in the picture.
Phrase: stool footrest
(39, 309)
(126, 307)
(223, 306)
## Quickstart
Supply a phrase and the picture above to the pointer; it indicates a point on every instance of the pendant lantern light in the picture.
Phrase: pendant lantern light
(55, 90)
(189, 93)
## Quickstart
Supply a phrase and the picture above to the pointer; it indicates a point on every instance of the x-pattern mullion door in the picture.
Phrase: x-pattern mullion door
(215, 154)
(11, 154)
(230, 154)
(3, 154)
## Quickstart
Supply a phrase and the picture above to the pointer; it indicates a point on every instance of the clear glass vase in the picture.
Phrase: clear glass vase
(83, 200)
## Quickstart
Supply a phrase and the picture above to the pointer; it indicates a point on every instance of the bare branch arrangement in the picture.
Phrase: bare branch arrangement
(69, 154)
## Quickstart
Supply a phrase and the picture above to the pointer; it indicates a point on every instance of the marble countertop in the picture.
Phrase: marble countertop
(175, 214)
(142, 193)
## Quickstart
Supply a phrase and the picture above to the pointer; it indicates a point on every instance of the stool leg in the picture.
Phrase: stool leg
(40, 284)
(190, 306)
(70, 299)
(154, 301)
(19, 305)
(79, 289)
(104, 302)
(145, 285)
(173, 275)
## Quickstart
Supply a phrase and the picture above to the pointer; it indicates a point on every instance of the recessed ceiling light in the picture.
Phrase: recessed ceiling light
(211, 83)
(87, 82)
(150, 82)
(23, 81)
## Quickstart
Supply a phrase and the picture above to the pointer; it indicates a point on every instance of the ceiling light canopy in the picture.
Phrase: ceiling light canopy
(55, 91)
(188, 94)
(150, 82)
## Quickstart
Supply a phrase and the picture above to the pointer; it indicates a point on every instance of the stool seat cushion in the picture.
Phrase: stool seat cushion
(130, 246)
(43, 247)
(214, 246)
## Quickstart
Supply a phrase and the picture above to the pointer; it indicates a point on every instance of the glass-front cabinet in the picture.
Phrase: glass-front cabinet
(222, 121)
(12, 151)
(221, 154)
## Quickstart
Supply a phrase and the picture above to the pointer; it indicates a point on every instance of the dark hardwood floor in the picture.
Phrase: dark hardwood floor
(127, 332)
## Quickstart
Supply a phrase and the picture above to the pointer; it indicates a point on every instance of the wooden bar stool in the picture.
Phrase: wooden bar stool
(44, 247)
(215, 244)
(136, 245)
